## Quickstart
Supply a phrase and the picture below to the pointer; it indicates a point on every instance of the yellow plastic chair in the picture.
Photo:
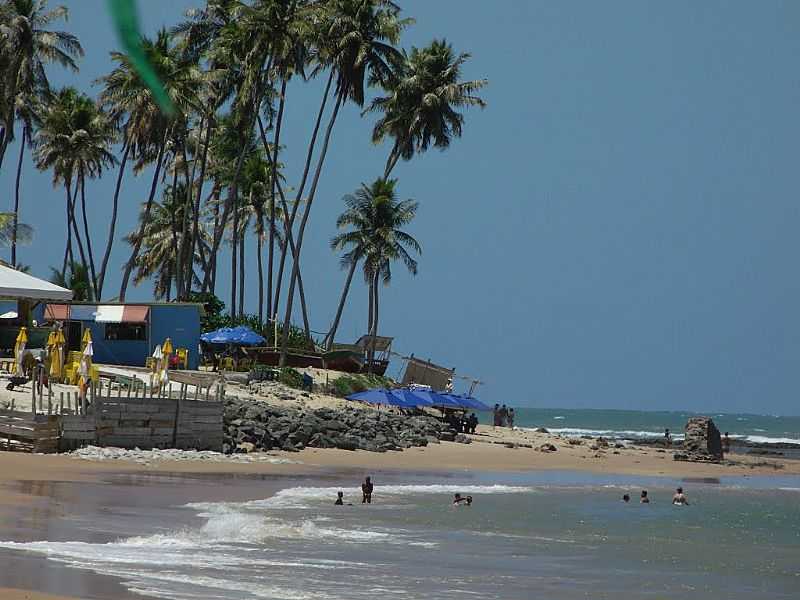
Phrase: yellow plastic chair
(150, 362)
(227, 364)
(183, 357)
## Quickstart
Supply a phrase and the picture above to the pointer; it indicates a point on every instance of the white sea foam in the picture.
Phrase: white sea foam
(615, 433)
(760, 439)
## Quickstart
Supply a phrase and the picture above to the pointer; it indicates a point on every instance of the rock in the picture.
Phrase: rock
(447, 436)
(702, 440)
(461, 439)
(541, 430)
(602, 442)
(574, 442)
(245, 447)
(547, 448)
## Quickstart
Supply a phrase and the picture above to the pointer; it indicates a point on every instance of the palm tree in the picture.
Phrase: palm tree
(373, 235)
(26, 111)
(356, 42)
(75, 278)
(423, 102)
(147, 130)
(75, 140)
(11, 231)
(161, 241)
(29, 45)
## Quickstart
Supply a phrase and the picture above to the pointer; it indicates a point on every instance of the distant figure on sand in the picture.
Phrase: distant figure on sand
(458, 499)
(679, 499)
(511, 418)
(496, 415)
(366, 490)
(449, 387)
(472, 423)
(726, 444)
(626, 498)
(503, 416)
(644, 499)
(667, 438)
(339, 499)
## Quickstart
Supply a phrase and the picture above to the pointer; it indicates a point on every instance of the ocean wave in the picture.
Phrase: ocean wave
(312, 497)
(761, 439)
(614, 433)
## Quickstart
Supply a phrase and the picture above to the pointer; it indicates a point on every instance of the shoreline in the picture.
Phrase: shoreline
(67, 491)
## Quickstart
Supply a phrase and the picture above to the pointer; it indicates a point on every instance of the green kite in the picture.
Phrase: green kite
(126, 21)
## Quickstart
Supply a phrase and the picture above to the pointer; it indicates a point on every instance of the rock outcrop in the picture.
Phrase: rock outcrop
(702, 441)
(251, 425)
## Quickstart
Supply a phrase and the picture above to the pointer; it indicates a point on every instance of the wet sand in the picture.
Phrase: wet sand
(12, 594)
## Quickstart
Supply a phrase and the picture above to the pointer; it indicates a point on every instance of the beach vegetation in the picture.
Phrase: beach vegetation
(221, 182)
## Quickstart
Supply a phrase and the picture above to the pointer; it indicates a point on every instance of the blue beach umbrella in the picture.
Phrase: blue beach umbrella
(240, 336)
(467, 402)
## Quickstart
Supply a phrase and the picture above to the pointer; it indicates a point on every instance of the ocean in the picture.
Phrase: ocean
(526, 536)
(635, 424)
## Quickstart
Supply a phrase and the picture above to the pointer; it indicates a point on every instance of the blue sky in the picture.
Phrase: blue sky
(617, 229)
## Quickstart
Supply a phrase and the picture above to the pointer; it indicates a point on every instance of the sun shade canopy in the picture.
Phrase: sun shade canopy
(405, 398)
(101, 313)
(16, 284)
(240, 336)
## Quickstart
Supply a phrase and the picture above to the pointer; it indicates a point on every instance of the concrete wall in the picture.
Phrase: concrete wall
(179, 323)
(116, 352)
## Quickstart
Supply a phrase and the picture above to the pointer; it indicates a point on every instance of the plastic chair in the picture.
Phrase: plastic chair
(227, 364)
(183, 357)
(150, 362)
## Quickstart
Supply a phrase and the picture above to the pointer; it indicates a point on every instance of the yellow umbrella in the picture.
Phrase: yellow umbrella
(87, 337)
(19, 348)
(167, 350)
(57, 353)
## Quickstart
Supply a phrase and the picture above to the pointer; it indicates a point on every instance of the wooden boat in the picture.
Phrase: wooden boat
(343, 359)
(379, 367)
(271, 357)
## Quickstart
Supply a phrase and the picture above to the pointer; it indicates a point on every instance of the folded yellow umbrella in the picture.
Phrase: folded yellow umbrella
(19, 348)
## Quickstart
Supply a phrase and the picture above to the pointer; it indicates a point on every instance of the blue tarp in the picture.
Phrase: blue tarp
(405, 398)
(240, 336)
(381, 396)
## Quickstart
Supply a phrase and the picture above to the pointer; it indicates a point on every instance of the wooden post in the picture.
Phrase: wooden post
(84, 404)
(208, 391)
(49, 398)
(61, 403)
(196, 391)
(33, 396)
(130, 385)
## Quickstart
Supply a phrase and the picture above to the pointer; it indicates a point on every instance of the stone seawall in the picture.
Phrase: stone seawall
(250, 425)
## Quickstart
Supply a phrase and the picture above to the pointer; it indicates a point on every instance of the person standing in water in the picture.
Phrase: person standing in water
(726, 444)
(511, 418)
(667, 438)
(679, 499)
(458, 499)
(339, 499)
(644, 499)
(366, 490)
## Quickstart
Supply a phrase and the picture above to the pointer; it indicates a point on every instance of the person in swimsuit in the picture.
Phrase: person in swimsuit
(626, 498)
(679, 499)
(644, 499)
(366, 490)
(458, 500)
(339, 499)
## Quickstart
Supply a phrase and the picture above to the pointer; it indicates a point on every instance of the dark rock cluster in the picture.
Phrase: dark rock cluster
(250, 425)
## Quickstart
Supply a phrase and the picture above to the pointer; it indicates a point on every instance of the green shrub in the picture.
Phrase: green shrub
(291, 377)
(351, 384)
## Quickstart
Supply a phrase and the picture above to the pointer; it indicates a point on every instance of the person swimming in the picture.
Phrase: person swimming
(366, 490)
(679, 499)
(458, 500)
(626, 498)
(339, 499)
(643, 498)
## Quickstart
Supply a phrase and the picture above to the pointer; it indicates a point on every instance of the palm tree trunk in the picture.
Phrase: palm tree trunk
(145, 218)
(394, 156)
(82, 182)
(374, 330)
(173, 225)
(234, 255)
(310, 154)
(112, 227)
(298, 247)
(241, 269)
(279, 281)
(196, 212)
(259, 249)
(371, 306)
(180, 274)
(15, 222)
(342, 300)
(68, 258)
(74, 224)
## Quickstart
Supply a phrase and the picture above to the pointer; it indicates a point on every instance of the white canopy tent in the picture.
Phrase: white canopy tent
(16, 284)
